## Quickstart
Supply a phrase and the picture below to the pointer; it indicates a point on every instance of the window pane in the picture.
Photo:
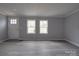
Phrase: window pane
(31, 26)
(44, 23)
(43, 26)
(31, 30)
(43, 30)
(13, 21)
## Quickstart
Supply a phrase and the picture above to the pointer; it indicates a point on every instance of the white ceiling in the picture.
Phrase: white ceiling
(45, 9)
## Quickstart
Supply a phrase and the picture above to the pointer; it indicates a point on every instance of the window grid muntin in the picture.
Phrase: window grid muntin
(43, 26)
(13, 21)
(31, 26)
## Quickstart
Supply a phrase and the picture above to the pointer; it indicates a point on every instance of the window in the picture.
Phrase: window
(31, 26)
(43, 26)
(13, 21)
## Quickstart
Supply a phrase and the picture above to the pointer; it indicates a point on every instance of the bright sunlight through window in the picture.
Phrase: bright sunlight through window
(30, 26)
(43, 26)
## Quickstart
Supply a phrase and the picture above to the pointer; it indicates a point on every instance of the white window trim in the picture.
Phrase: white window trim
(43, 27)
(13, 21)
(29, 27)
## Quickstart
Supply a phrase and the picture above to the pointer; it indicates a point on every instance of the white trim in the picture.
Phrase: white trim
(72, 42)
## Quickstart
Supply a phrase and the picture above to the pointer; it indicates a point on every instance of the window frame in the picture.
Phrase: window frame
(28, 26)
(13, 21)
(46, 27)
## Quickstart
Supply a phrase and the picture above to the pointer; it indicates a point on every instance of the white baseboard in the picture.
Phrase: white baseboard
(74, 43)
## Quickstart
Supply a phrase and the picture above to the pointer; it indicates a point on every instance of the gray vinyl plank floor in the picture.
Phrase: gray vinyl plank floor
(37, 48)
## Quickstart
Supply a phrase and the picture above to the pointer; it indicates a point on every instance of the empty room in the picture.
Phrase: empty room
(39, 29)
